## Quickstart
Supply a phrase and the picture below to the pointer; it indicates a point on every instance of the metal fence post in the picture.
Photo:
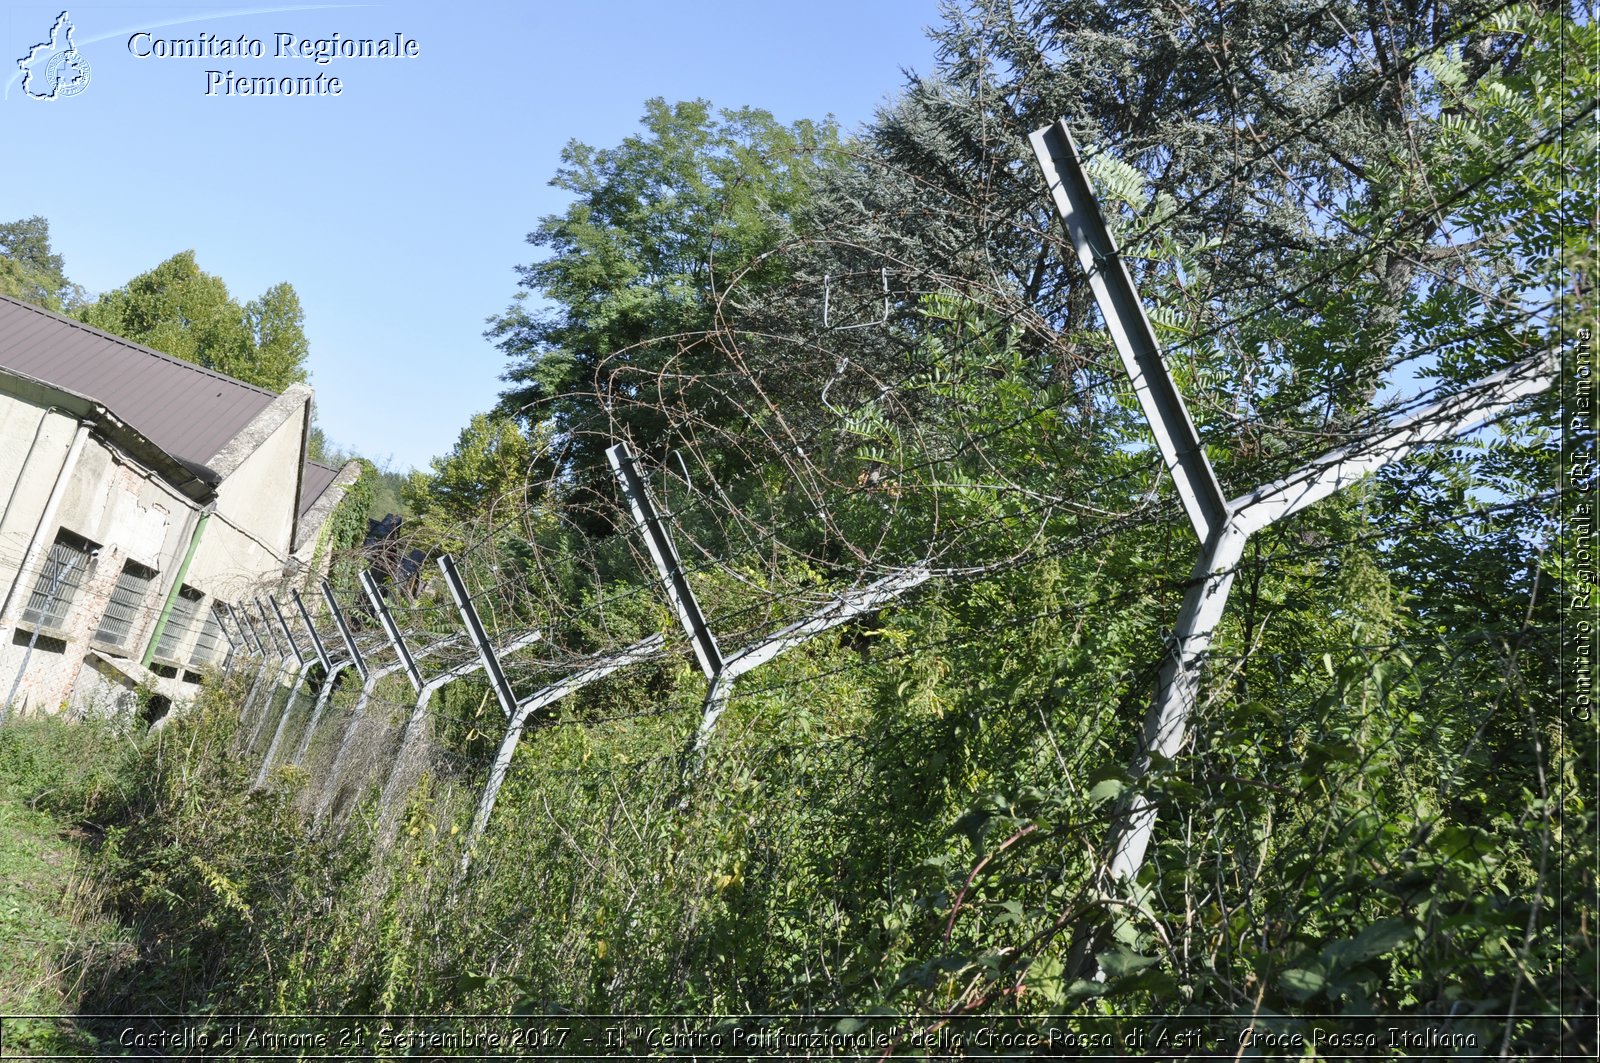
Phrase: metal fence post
(720, 671)
(245, 625)
(670, 568)
(381, 607)
(330, 677)
(339, 621)
(665, 555)
(479, 637)
(1223, 526)
(1178, 687)
(235, 650)
(1135, 340)
(311, 629)
(277, 675)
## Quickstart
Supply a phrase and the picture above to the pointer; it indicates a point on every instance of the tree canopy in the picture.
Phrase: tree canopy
(30, 270)
(660, 226)
(180, 310)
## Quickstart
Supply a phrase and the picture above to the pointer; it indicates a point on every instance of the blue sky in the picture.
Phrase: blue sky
(399, 208)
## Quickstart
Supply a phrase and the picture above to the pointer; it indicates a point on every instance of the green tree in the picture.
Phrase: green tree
(180, 310)
(30, 270)
(492, 465)
(276, 325)
(658, 227)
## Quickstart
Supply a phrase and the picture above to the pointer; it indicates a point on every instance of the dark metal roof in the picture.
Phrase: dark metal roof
(186, 410)
(314, 480)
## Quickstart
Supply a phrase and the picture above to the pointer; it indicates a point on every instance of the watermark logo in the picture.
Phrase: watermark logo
(55, 69)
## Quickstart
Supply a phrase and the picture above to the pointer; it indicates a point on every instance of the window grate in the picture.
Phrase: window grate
(127, 599)
(210, 637)
(178, 623)
(58, 582)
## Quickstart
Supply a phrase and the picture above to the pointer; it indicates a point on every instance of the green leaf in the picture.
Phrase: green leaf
(1302, 983)
(1383, 936)
(1121, 962)
(1106, 790)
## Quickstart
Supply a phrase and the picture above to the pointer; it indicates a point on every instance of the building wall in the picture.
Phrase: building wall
(123, 512)
(118, 512)
(34, 441)
(259, 497)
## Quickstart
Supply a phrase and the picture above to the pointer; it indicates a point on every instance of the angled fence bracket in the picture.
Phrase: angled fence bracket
(538, 702)
(1222, 526)
(721, 672)
(843, 608)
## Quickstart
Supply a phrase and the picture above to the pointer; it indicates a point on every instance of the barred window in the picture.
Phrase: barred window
(127, 599)
(207, 643)
(59, 579)
(184, 607)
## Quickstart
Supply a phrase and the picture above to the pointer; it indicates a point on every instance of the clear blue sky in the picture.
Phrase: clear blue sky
(399, 208)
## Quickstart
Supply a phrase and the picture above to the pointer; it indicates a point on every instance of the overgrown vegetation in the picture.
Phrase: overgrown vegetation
(58, 947)
(1382, 817)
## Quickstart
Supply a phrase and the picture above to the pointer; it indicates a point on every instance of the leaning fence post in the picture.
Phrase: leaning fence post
(243, 620)
(1223, 526)
(381, 607)
(1178, 687)
(234, 647)
(670, 568)
(403, 661)
(330, 678)
(665, 555)
(345, 634)
(311, 629)
(843, 608)
(355, 659)
(276, 675)
(480, 638)
(1159, 397)
(419, 712)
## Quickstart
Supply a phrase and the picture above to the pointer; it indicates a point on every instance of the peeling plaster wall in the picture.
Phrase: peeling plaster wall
(33, 444)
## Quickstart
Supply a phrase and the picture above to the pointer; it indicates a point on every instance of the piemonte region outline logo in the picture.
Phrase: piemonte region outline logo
(55, 69)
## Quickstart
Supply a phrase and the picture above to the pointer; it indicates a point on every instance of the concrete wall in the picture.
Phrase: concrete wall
(124, 514)
(33, 443)
(129, 513)
(259, 497)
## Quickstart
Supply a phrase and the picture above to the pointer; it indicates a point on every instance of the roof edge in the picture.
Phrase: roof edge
(235, 452)
(196, 482)
(141, 348)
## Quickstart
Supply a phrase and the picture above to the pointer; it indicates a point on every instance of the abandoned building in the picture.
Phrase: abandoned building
(147, 504)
